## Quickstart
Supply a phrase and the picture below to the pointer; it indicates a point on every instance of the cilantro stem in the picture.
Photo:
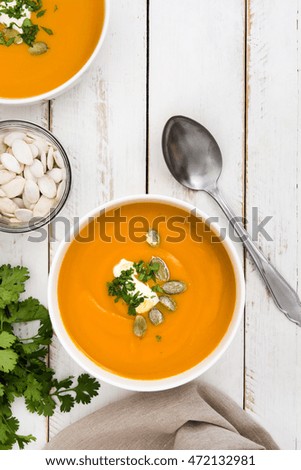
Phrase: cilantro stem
(60, 392)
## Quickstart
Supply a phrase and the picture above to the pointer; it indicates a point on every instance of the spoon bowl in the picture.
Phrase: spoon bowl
(181, 137)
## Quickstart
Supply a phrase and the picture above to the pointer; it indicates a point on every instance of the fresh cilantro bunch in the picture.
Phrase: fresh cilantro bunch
(23, 368)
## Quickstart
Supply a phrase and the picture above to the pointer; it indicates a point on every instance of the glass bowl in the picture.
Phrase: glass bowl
(32, 128)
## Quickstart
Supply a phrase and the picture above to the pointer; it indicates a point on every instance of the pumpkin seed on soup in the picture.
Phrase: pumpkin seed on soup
(168, 302)
(38, 48)
(174, 287)
(155, 316)
(153, 238)
(162, 274)
(140, 326)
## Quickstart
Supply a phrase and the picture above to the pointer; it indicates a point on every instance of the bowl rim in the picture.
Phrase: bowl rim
(73, 80)
(134, 384)
(32, 227)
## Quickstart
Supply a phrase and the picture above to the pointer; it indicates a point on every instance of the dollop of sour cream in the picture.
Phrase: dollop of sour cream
(150, 298)
(7, 20)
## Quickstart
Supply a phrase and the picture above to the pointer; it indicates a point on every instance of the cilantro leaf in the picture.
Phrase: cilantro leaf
(67, 403)
(24, 440)
(4, 431)
(8, 360)
(6, 339)
(12, 282)
(45, 406)
(86, 388)
(33, 389)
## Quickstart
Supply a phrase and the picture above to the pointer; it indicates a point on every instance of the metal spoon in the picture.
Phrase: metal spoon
(195, 160)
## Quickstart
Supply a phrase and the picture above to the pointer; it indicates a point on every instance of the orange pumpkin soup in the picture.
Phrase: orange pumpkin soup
(103, 329)
(69, 28)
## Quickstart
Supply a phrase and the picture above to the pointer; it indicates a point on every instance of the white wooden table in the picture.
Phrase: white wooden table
(234, 66)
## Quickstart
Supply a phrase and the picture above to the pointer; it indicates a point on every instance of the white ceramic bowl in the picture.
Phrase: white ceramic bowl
(73, 80)
(132, 384)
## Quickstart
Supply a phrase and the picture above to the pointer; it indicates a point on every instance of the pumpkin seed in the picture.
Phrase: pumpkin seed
(140, 326)
(7, 206)
(19, 201)
(58, 159)
(168, 302)
(9, 138)
(50, 159)
(31, 192)
(153, 237)
(11, 33)
(10, 163)
(43, 207)
(6, 176)
(22, 152)
(174, 287)
(155, 316)
(37, 169)
(60, 190)
(163, 272)
(23, 215)
(14, 188)
(34, 149)
(56, 174)
(47, 186)
(38, 48)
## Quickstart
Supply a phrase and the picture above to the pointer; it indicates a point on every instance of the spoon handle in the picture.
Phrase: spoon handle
(285, 297)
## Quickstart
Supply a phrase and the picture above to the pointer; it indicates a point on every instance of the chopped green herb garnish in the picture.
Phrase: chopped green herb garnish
(146, 271)
(158, 338)
(122, 287)
(47, 30)
(30, 32)
(55, 8)
(157, 288)
(41, 13)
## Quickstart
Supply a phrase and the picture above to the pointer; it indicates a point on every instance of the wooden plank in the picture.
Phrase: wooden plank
(273, 344)
(197, 69)
(102, 123)
(16, 249)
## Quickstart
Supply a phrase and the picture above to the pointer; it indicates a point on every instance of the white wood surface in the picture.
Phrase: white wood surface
(273, 345)
(188, 57)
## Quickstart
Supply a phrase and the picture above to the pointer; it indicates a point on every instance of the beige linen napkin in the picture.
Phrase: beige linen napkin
(194, 416)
